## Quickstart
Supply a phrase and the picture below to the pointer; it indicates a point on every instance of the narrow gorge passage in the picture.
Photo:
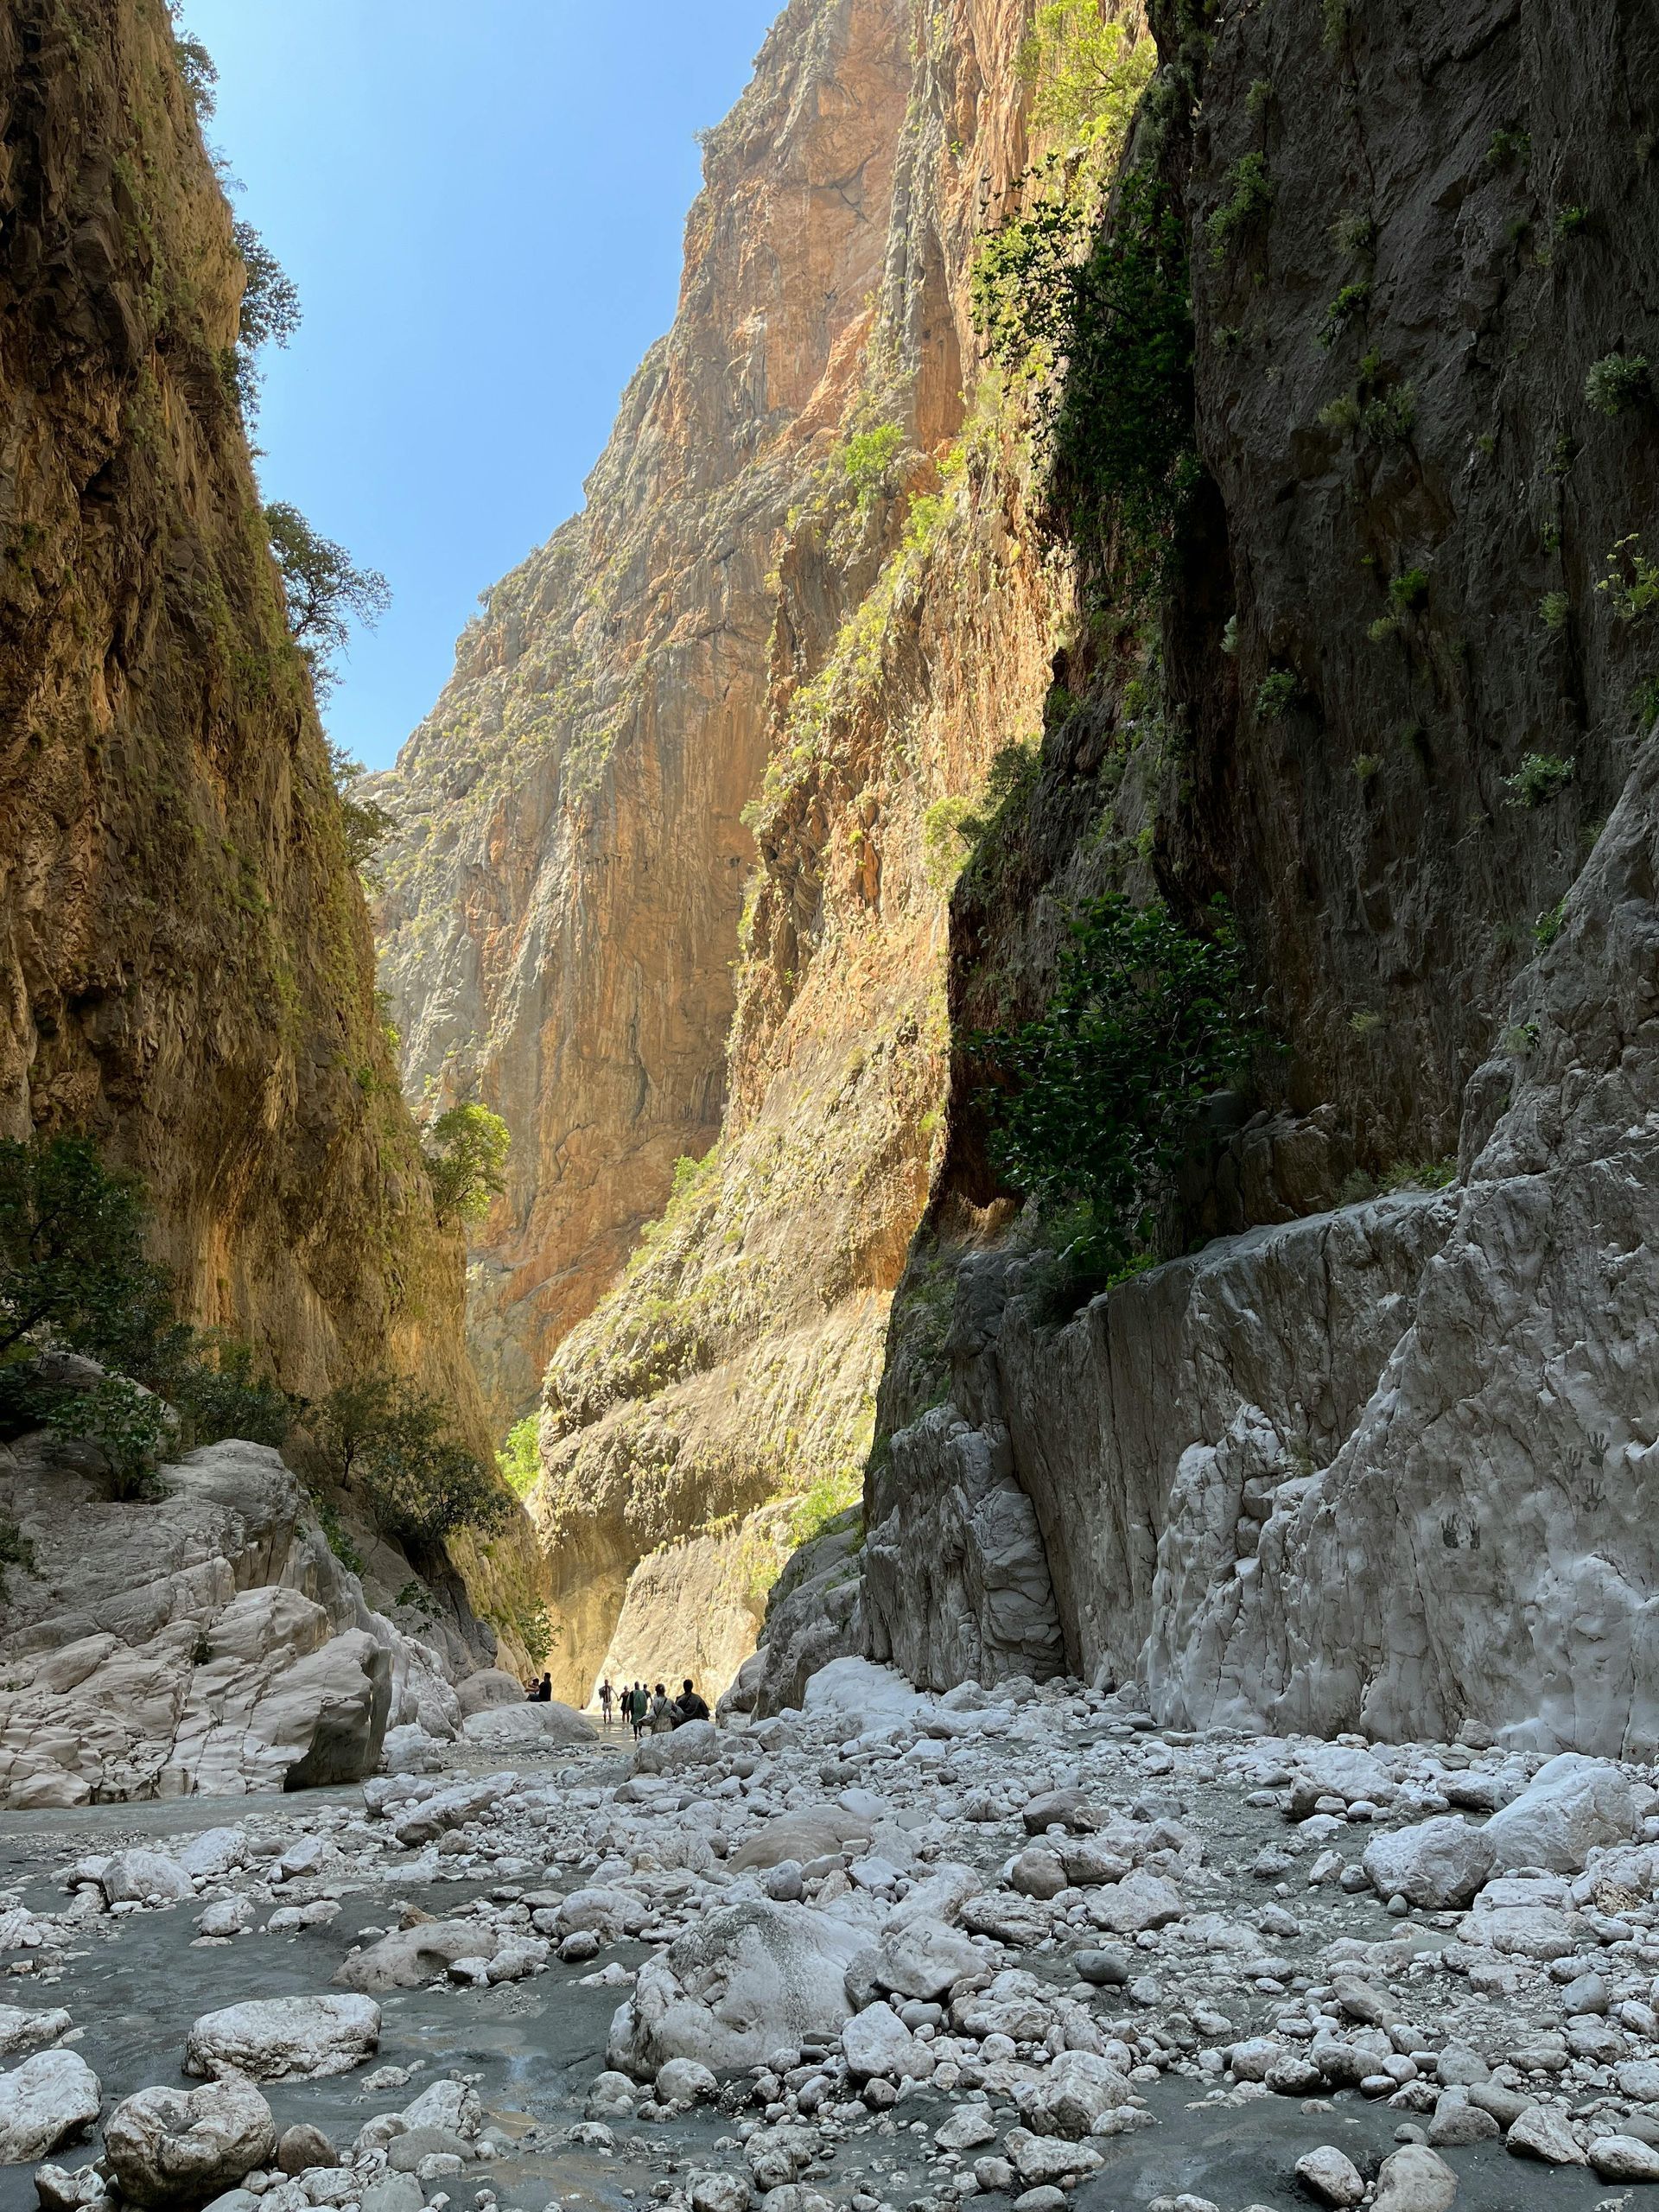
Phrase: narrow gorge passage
(854, 1402)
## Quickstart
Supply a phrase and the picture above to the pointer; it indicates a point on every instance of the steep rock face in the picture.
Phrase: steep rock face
(211, 1642)
(186, 958)
(186, 963)
(562, 904)
(886, 632)
(1383, 1467)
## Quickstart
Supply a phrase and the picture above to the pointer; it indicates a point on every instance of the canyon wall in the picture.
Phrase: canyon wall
(1387, 1464)
(186, 961)
(686, 891)
(1268, 518)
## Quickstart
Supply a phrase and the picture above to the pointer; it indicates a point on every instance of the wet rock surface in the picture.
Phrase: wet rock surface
(599, 1996)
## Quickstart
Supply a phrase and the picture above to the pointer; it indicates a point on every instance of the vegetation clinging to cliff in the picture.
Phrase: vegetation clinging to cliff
(1100, 1094)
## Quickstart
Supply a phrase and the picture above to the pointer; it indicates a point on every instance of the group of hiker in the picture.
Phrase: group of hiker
(651, 1711)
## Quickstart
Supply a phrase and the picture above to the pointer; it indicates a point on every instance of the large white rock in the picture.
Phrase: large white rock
(533, 1723)
(1571, 1805)
(877, 2041)
(210, 1642)
(858, 1691)
(745, 1979)
(490, 1688)
(409, 1956)
(279, 2038)
(1437, 1866)
(170, 2147)
(22, 2029)
(695, 1742)
(43, 2102)
(921, 1957)
(1073, 2092)
(430, 1817)
(146, 1876)
(1140, 1900)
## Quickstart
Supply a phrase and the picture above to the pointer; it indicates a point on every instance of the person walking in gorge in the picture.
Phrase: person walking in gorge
(638, 1706)
(605, 1700)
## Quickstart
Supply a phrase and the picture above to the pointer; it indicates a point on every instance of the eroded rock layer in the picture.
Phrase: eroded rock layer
(186, 966)
(1383, 1466)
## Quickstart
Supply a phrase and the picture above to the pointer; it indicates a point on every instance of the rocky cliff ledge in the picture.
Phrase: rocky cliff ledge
(185, 961)
(1242, 486)
(209, 1642)
(1383, 1466)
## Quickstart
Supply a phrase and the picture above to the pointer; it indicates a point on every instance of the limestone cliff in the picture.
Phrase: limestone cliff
(562, 906)
(1268, 516)
(185, 963)
(745, 755)
(1382, 1466)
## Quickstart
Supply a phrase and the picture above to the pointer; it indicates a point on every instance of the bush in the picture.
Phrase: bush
(1124, 455)
(1351, 299)
(130, 1425)
(218, 1395)
(393, 1443)
(1097, 1098)
(1249, 195)
(270, 311)
(16, 1550)
(519, 1458)
(1616, 382)
(867, 461)
(365, 823)
(1087, 77)
(1631, 582)
(1276, 694)
(323, 588)
(1541, 776)
(72, 1258)
(466, 1151)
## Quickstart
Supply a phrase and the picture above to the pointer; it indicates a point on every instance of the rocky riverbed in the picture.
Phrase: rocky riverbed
(893, 1951)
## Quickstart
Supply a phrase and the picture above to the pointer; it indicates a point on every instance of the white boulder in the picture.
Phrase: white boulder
(1437, 1866)
(877, 2041)
(746, 1979)
(1571, 1805)
(282, 2038)
(170, 2147)
(1073, 2094)
(43, 2102)
(22, 2029)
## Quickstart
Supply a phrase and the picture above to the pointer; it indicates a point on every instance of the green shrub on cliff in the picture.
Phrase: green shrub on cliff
(1095, 1102)
(71, 1259)
(519, 1457)
(394, 1445)
(466, 1150)
(323, 588)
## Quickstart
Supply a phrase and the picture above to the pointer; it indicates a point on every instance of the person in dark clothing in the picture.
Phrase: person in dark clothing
(545, 1690)
(688, 1706)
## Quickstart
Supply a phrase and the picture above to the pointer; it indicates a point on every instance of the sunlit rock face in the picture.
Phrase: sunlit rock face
(578, 924)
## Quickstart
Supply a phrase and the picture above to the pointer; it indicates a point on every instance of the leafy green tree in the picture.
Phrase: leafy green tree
(394, 1444)
(324, 589)
(1099, 1096)
(219, 1392)
(270, 311)
(519, 1457)
(465, 1151)
(132, 1428)
(367, 823)
(72, 1256)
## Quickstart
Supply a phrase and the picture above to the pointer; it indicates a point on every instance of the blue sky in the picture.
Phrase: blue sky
(482, 208)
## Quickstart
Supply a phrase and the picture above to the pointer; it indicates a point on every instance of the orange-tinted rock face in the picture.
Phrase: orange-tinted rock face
(185, 957)
(802, 592)
(561, 909)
